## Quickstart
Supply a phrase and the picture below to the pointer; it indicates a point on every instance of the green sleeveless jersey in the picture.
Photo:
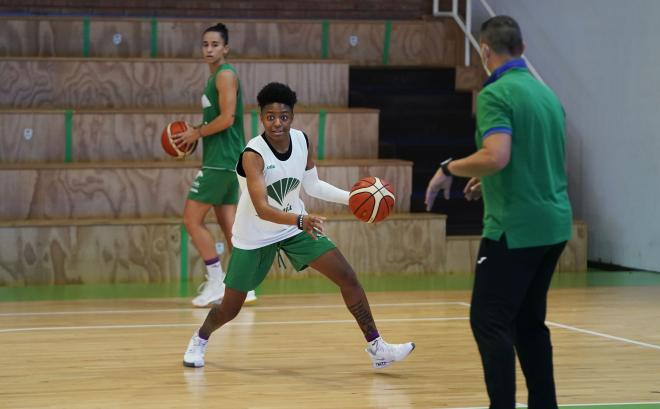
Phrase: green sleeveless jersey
(221, 150)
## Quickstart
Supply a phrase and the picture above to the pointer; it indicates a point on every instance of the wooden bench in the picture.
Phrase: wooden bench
(157, 83)
(154, 189)
(28, 135)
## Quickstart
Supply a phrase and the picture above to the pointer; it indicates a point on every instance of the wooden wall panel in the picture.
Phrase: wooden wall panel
(154, 189)
(140, 253)
(135, 135)
(247, 38)
(79, 83)
(144, 252)
(574, 257)
(124, 136)
(433, 43)
(46, 143)
(369, 47)
(92, 193)
(134, 38)
(47, 37)
(404, 244)
(350, 136)
(462, 252)
(235, 9)
(413, 42)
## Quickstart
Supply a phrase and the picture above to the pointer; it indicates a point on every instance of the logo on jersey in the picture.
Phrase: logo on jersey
(270, 167)
(279, 190)
(205, 102)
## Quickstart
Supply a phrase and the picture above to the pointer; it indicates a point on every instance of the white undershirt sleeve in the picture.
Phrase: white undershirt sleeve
(323, 190)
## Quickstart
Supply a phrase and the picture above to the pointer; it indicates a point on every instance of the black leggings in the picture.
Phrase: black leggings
(508, 312)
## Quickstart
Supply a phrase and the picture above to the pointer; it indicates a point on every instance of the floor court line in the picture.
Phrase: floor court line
(285, 307)
(233, 323)
(256, 308)
(595, 333)
(645, 405)
(603, 335)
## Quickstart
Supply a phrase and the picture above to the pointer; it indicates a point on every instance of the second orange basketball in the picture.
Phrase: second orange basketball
(371, 199)
(169, 146)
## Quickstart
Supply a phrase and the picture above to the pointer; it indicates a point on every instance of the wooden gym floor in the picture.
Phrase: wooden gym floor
(301, 350)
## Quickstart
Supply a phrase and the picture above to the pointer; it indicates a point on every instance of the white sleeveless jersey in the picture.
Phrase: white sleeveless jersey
(283, 182)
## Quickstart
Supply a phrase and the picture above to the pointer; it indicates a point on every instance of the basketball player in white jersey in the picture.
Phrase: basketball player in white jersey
(272, 217)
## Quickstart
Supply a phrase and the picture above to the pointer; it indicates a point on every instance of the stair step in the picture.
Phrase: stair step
(47, 252)
(151, 189)
(434, 42)
(156, 83)
(107, 135)
(148, 250)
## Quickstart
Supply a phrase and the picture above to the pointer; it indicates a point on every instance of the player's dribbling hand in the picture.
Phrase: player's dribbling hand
(313, 225)
(438, 182)
(472, 189)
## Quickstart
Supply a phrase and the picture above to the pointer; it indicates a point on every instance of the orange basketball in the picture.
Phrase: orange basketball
(371, 199)
(174, 128)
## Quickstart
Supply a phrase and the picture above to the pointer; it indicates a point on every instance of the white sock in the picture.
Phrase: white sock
(215, 271)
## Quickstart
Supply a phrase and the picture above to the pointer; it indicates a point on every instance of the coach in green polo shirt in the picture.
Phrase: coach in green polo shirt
(519, 170)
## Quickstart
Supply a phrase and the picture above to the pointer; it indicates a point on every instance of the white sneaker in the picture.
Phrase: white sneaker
(383, 354)
(210, 292)
(194, 356)
(251, 297)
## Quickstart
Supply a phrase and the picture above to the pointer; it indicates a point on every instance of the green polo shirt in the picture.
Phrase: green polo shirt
(528, 199)
(221, 150)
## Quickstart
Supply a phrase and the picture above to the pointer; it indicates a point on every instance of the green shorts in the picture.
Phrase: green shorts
(248, 268)
(215, 187)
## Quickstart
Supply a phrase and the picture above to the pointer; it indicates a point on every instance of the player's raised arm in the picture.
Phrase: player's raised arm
(318, 188)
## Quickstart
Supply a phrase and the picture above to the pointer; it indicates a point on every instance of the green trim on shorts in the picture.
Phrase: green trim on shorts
(248, 268)
(215, 187)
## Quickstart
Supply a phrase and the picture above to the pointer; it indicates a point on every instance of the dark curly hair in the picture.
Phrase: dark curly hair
(276, 92)
(219, 28)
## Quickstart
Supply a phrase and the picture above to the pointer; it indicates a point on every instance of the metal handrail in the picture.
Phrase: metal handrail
(466, 26)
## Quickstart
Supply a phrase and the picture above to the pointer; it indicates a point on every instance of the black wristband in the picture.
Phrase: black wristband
(445, 167)
(300, 221)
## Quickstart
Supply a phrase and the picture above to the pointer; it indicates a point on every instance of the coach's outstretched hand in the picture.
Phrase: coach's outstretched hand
(438, 182)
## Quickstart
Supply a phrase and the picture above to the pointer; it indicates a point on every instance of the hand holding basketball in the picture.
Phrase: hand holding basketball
(371, 199)
(179, 139)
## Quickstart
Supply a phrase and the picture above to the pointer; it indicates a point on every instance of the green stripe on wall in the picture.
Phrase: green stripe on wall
(154, 38)
(325, 38)
(386, 42)
(320, 149)
(68, 136)
(254, 115)
(183, 274)
(85, 34)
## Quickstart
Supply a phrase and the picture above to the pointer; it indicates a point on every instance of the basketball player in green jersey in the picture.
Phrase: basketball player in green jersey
(223, 141)
(271, 216)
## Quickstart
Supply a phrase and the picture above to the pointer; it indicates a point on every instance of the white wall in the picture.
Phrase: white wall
(602, 57)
